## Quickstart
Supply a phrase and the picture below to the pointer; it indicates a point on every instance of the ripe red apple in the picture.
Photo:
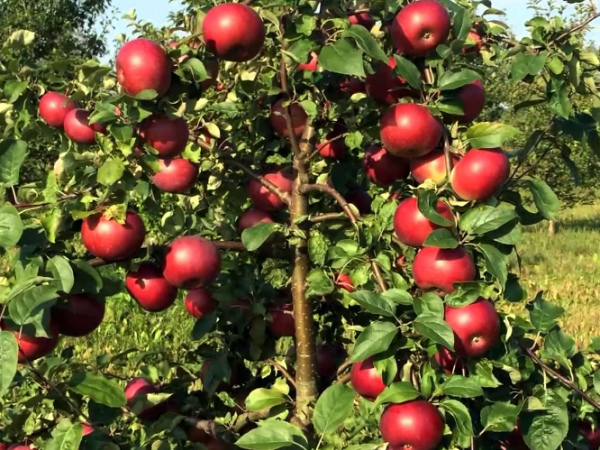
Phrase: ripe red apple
(19, 447)
(329, 358)
(54, 108)
(472, 97)
(251, 218)
(363, 18)
(592, 435)
(78, 129)
(199, 302)
(383, 168)
(365, 379)
(476, 328)
(352, 86)
(343, 281)
(420, 27)
(437, 268)
(477, 44)
(386, 87)
(277, 118)
(312, 65)
(176, 175)
(141, 387)
(111, 240)
(449, 362)
(148, 287)
(413, 425)
(431, 166)
(412, 227)
(79, 316)
(334, 149)
(480, 173)
(409, 130)
(168, 137)
(31, 347)
(262, 198)
(233, 32)
(361, 199)
(143, 64)
(191, 262)
(282, 320)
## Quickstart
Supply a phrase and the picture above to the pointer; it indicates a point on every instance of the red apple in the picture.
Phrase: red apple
(191, 262)
(361, 199)
(279, 124)
(329, 358)
(79, 316)
(480, 173)
(365, 379)
(431, 166)
(414, 425)
(409, 130)
(449, 362)
(142, 64)
(262, 198)
(476, 328)
(5, 445)
(199, 302)
(19, 447)
(31, 347)
(412, 227)
(383, 168)
(437, 268)
(176, 175)
(352, 86)
(233, 32)
(111, 240)
(87, 429)
(343, 281)
(363, 18)
(515, 441)
(282, 320)
(472, 97)
(140, 388)
(251, 218)
(78, 129)
(54, 108)
(386, 87)
(592, 435)
(334, 149)
(420, 27)
(477, 44)
(168, 137)
(148, 287)
(312, 65)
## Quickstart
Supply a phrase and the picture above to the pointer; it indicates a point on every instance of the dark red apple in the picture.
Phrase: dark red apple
(363, 18)
(79, 315)
(383, 168)
(191, 262)
(262, 198)
(476, 328)
(54, 108)
(420, 27)
(472, 97)
(409, 130)
(251, 218)
(514, 441)
(312, 65)
(31, 347)
(365, 379)
(431, 166)
(437, 268)
(449, 362)
(176, 175)
(361, 199)
(476, 43)
(199, 302)
(78, 129)
(233, 32)
(480, 173)
(592, 435)
(329, 358)
(343, 281)
(168, 137)
(334, 146)
(142, 64)
(148, 287)
(111, 240)
(414, 425)
(386, 87)
(279, 124)
(352, 86)
(282, 320)
(140, 388)
(412, 227)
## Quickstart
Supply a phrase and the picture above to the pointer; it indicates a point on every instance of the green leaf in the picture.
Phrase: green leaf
(544, 315)
(20, 38)
(273, 434)
(465, 294)
(87, 279)
(559, 100)
(456, 79)
(342, 57)
(203, 325)
(147, 94)
(14, 89)
(317, 248)
(559, 347)
(463, 387)
(490, 134)
(427, 204)
(319, 283)
(398, 296)
(12, 156)
(397, 393)
(262, 398)
(484, 219)
(496, 263)
(376, 338)
(9, 351)
(197, 68)
(596, 381)
(123, 133)
(66, 436)
(26, 306)
(11, 226)
(254, 237)
(547, 429)
(111, 171)
(366, 42)
(435, 329)
(409, 71)
(333, 408)
(441, 238)
(500, 417)
(524, 64)
(461, 416)
(61, 270)
(99, 388)
(375, 303)
(545, 199)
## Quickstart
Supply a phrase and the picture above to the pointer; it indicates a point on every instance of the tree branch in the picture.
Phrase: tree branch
(577, 28)
(378, 276)
(318, 218)
(333, 194)
(283, 371)
(287, 111)
(20, 206)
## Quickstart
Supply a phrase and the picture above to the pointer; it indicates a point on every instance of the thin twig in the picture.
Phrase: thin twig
(576, 28)
(344, 366)
(378, 276)
(333, 194)
(344, 378)
(324, 144)
(318, 218)
(20, 206)
(287, 112)
(283, 371)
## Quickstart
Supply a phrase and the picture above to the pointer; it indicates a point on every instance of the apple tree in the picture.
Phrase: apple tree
(312, 180)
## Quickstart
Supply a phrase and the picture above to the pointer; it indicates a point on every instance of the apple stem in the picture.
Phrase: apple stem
(283, 371)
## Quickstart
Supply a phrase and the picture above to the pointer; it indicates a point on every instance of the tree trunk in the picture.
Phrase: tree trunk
(551, 228)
